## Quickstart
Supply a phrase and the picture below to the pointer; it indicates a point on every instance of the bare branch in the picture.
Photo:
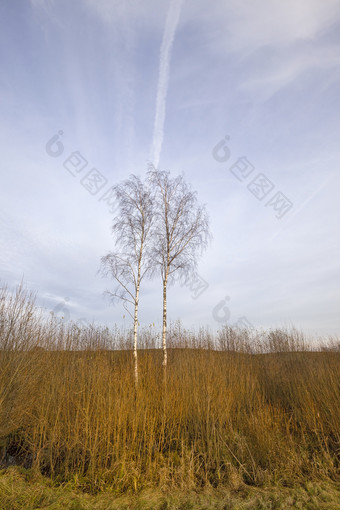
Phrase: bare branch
(130, 262)
(180, 230)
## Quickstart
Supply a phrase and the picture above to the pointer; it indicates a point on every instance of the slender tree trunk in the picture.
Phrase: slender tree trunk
(165, 354)
(135, 323)
(135, 326)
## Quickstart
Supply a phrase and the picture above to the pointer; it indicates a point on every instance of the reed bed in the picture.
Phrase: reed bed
(231, 409)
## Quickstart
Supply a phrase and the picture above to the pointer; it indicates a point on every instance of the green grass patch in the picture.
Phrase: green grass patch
(22, 489)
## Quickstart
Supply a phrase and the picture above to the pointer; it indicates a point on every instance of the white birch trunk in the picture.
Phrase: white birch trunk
(135, 321)
(165, 354)
(135, 326)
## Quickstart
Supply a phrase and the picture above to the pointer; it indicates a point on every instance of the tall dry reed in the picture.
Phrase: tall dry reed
(230, 409)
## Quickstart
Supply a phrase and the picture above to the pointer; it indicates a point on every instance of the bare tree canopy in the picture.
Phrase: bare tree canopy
(180, 231)
(130, 261)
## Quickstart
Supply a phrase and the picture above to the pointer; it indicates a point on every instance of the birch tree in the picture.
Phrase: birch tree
(180, 233)
(130, 262)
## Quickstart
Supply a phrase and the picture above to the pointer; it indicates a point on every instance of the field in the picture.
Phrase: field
(238, 420)
(24, 490)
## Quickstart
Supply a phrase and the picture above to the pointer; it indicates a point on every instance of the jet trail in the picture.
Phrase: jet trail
(163, 78)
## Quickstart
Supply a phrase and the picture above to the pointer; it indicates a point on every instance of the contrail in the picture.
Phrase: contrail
(304, 204)
(163, 78)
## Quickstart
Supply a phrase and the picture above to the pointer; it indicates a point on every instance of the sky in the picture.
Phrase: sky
(243, 98)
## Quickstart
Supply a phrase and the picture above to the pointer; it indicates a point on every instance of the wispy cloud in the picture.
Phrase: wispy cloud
(163, 78)
(248, 25)
(270, 76)
(127, 88)
(265, 73)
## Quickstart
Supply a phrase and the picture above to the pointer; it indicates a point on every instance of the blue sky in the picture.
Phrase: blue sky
(127, 82)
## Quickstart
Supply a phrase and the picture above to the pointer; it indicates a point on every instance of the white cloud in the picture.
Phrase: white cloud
(251, 24)
(271, 76)
(96, 78)
(148, 15)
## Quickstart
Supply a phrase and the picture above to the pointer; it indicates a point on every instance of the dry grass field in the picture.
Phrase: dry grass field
(235, 415)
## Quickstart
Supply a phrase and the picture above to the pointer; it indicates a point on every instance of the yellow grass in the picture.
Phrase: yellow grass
(22, 489)
(230, 412)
